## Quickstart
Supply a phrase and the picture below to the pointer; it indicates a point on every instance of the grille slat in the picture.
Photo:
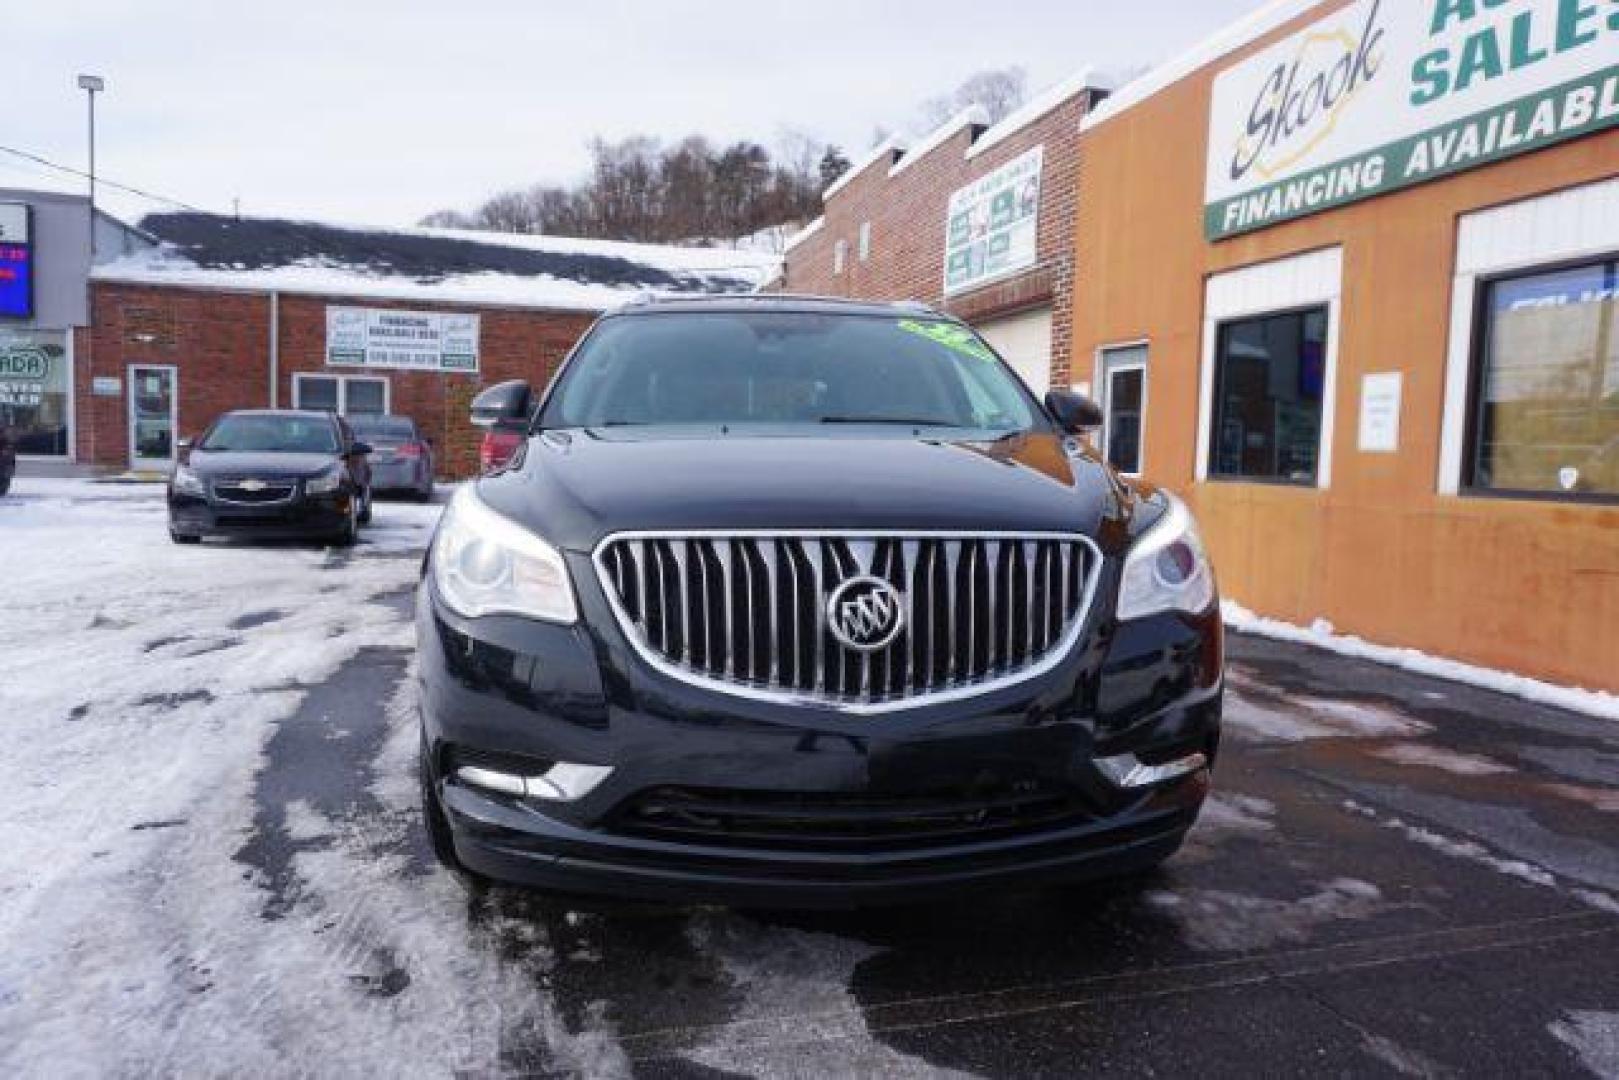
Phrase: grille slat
(747, 613)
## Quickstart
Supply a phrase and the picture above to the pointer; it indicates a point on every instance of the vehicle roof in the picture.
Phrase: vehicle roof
(791, 303)
(306, 414)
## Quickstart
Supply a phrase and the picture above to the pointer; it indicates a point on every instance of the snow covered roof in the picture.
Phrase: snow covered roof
(1245, 31)
(805, 233)
(444, 265)
(888, 148)
(1082, 81)
(971, 116)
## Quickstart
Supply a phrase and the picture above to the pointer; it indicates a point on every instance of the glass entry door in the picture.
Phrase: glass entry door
(153, 416)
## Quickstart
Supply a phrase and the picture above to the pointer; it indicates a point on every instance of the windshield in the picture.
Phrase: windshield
(383, 428)
(249, 434)
(780, 368)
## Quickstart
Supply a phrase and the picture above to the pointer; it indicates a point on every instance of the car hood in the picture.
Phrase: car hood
(577, 487)
(234, 464)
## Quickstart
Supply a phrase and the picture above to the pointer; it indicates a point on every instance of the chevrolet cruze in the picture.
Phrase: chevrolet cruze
(801, 602)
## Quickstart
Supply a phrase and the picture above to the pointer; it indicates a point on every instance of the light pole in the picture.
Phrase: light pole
(92, 85)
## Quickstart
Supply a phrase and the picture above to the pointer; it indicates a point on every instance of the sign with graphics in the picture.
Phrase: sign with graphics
(16, 261)
(1385, 94)
(404, 340)
(24, 371)
(992, 224)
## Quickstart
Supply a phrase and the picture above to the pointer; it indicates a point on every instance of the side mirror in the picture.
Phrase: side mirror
(184, 444)
(360, 449)
(1074, 412)
(503, 403)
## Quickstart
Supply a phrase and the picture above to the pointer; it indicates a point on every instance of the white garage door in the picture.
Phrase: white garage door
(1025, 340)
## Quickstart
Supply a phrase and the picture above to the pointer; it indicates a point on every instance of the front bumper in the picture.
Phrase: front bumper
(717, 799)
(302, 517)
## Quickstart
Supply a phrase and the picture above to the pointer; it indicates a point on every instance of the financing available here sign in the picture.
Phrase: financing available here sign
(403, 340)
(992, 225)
(1385, 94)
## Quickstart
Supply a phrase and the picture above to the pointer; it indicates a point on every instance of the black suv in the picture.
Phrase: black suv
(799, 602)
(272, 474)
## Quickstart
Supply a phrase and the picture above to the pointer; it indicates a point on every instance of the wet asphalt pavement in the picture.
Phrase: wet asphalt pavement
(1397, 877)
(214, 866)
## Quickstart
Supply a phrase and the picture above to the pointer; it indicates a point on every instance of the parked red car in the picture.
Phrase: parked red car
(498, 445)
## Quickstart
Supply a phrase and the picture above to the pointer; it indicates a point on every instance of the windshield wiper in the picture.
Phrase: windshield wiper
(898, 421)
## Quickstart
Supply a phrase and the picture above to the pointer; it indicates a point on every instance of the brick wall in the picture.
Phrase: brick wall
(219, 342)
(907, 216)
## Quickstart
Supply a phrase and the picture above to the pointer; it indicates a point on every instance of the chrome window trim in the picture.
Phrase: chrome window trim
(1049, 662)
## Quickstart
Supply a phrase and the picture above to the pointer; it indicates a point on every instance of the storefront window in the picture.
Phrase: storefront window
(34, 388)
(1268, 380)
(1546, 412)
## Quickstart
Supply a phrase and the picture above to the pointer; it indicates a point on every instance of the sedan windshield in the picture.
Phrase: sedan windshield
(781, 368)
(248, 434)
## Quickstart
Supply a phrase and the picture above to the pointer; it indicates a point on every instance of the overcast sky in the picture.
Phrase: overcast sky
(379, 111)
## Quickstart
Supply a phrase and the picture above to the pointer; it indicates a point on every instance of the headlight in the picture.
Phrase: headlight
(485, 564)
(186, 482)
(325, 483)
(1167, 569)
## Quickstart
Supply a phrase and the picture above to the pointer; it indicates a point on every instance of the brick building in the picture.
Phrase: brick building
(145, 340)
(975, 219)
(1373, 335)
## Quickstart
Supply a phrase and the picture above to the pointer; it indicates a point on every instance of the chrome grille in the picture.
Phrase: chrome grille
(271, 491)
(747, 613)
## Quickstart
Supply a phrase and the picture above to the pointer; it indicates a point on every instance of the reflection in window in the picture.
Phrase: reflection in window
(1546, 414)
(1268, 381)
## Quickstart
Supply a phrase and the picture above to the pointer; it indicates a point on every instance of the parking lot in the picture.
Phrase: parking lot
(213, 864)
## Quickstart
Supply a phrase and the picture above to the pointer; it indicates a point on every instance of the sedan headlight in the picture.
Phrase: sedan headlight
(325, 483)
(484, 564)
(1167, 569)
(186, 482)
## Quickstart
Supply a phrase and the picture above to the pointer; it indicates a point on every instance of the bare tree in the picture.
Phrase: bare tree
(998, 91)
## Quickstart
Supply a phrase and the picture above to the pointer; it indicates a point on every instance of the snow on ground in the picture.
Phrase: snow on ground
(1322, 635)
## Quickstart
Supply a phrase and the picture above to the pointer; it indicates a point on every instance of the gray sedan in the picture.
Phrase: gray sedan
(401, 458)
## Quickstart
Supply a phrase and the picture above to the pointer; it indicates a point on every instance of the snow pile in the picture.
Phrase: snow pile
(1322, 635)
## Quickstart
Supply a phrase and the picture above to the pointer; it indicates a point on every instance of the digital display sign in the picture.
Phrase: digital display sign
(16, 261)
(16, 281)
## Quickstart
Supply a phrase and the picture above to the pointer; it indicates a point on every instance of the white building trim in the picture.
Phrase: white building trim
(1306, 280)
(1581, 222)
(1238, 35)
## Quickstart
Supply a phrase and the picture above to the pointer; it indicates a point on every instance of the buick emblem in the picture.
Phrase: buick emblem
(865, 614)
(252, 485)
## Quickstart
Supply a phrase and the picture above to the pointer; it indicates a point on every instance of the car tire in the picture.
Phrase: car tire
(5, 484)
(365, 508)
(437, 824)
(351, 529)
(177, 537)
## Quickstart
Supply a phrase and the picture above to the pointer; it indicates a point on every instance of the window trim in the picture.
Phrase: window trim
(1478, 348)
(1104, 372)
(1326, 308)
(864, 243)
(1304, 280)
(840, 257)
(342, 381)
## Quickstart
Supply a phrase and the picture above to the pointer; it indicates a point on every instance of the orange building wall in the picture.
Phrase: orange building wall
(1531, 587)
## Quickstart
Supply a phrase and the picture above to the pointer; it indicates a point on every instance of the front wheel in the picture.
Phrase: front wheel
(177, 537)
(437, 824)
(5, 483)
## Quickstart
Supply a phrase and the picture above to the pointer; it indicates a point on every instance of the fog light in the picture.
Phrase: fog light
(1130, 772)
(562, 782)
